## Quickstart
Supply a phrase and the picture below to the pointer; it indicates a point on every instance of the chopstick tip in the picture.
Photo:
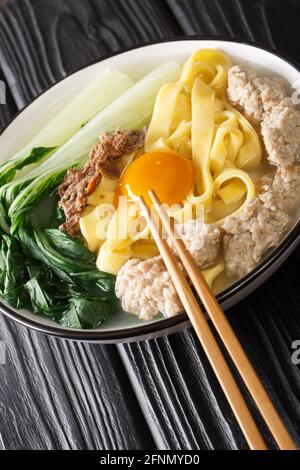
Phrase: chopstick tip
(153, 196)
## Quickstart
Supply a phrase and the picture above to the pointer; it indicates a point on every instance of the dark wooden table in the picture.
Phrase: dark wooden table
(160, 394)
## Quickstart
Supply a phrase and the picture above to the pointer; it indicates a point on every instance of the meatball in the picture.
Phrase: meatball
(202, 240)
(239, 254)
(281, 133)
(283, 190)
(254, 95)
(145, 289)
(249, 235)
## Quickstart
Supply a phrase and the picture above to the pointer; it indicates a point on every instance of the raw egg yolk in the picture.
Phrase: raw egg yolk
(168, 174)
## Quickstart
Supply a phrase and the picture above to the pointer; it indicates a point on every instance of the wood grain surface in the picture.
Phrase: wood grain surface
(162, 393)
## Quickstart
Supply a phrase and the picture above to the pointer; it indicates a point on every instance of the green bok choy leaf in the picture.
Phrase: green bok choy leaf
(37, 273)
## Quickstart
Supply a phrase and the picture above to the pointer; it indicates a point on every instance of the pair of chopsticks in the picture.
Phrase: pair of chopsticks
(207, 339)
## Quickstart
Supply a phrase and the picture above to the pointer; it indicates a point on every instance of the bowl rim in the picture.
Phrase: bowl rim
(164, 324)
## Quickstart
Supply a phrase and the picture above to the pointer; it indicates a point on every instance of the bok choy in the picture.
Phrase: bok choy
(37, 273)
(100, 92)
(132, 110)
(41, 267)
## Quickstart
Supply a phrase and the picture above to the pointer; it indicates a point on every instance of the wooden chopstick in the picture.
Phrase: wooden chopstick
(205, 335)
(225, 332)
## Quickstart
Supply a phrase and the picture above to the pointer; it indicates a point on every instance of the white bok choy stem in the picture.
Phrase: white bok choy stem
(92, 99)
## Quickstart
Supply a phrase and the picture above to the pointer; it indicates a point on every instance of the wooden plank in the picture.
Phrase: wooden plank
(55, 394)
(271, 23)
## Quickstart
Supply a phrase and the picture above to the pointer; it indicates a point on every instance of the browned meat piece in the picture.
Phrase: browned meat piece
(78, 185)
(110, 169)
(73, 192)
(114, 146)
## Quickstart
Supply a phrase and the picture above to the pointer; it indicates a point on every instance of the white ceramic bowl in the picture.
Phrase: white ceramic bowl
(136, 62)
